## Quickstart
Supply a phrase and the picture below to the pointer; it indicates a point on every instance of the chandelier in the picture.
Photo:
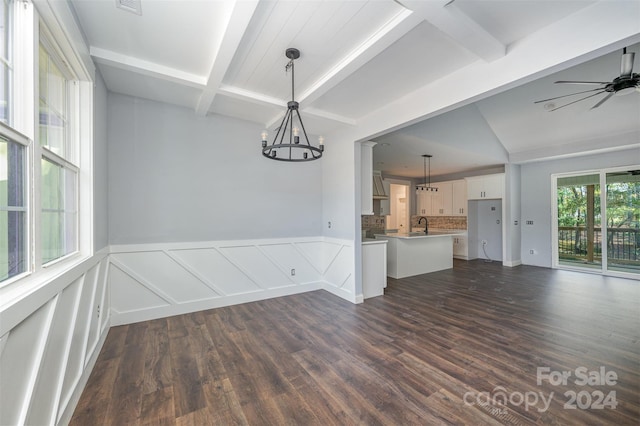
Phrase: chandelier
(426, 186)
(286, 144)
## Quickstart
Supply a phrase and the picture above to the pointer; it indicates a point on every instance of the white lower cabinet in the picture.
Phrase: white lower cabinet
(374, 268)
(460, 247)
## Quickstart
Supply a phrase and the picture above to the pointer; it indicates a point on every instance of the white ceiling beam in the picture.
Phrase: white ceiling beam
(139, 66)
(382, 38)
(268, 101)
(236, 26)
(446, 16)
(249, 96)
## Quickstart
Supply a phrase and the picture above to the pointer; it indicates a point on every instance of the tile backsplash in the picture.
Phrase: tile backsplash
(376, 224)
(441, 222)
(372, 225)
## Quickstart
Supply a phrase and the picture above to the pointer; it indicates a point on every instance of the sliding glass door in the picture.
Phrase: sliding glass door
(597, 221)
(623, 220)
(579, 221)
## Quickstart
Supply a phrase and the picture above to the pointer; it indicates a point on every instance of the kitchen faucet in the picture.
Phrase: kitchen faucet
(426, 224)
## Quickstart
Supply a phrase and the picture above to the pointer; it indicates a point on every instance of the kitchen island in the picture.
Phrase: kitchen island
(418, 253)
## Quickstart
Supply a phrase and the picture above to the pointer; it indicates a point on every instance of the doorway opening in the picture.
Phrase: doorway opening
(399, 208)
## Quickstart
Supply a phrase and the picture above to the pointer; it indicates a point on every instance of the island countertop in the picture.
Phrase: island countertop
(415, 253)
(414, 235)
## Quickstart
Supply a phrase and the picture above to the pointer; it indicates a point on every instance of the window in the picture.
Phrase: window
(13, 211)
(5, 60)
(46, 113)
(58, 194)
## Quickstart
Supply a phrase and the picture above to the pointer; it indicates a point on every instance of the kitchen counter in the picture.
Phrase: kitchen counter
(415, 253)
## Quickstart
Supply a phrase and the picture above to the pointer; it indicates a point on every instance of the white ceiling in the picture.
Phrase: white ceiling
(360, 56)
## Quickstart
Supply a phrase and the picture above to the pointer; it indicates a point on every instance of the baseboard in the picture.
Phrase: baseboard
(66, 415)
(342, 293)
(512, 263)
(121, 318)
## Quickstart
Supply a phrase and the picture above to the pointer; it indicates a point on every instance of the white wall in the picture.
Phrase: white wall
(484, 222)
(536, 198)
(143, 278)
(49, 343)
(51, 337)
(175, 176)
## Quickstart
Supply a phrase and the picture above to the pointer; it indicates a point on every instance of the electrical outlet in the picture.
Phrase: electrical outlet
(532, 251)
(484, 242)
(293, 272)
(529, 222)
(98, 311)
(329, 225)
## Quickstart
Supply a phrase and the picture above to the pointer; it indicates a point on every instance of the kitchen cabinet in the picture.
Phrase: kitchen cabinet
(425, 201)
(442, 202)
(374, 268)
(485, 187)
(459, 198)
(449, 200)
(460, 247)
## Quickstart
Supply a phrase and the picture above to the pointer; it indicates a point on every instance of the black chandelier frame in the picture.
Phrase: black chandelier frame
(290, 149)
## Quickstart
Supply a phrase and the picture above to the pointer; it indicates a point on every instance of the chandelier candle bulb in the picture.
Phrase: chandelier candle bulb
(296, 136)
(321, 143)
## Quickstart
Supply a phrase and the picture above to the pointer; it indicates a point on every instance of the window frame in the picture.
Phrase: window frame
(17, 137)
(33, 21)
(9, 61)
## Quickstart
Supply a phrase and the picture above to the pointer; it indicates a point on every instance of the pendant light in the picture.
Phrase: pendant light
(290, 149)
(426, 186)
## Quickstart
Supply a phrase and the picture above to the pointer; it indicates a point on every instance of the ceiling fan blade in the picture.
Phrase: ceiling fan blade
(564, 96)
(581, 99)
(582, 82)
(603, 100)
(626, 66)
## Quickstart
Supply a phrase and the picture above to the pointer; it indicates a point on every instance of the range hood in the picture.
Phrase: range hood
(378, 187)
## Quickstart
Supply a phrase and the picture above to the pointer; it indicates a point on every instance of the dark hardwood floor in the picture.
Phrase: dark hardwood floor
(441, 348)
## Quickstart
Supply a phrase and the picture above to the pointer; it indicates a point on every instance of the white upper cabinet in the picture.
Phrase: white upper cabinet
(449, 200)
(425, 202)
(459, 203)
(485, 187)
(443, 200)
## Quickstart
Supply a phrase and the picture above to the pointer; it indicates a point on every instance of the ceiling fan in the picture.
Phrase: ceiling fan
(627, 82)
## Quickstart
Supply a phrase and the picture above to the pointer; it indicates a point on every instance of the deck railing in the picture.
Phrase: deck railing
(623, 244)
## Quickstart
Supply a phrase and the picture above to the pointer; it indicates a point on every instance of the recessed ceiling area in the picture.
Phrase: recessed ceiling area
(463, 73)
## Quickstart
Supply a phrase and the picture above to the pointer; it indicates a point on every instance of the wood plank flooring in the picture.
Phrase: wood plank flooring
(440, 348)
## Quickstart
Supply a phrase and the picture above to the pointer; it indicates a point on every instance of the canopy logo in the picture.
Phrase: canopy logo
(499, 399)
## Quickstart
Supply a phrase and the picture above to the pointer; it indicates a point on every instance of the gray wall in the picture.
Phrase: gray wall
(175, 176)
(536, 198)
(484, 222)
(100, 172)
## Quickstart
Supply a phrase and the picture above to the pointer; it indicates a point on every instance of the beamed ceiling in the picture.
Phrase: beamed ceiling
(455, 79)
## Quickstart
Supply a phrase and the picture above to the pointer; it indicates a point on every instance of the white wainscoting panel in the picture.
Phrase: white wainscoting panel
(47, 349)
(157, 280)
